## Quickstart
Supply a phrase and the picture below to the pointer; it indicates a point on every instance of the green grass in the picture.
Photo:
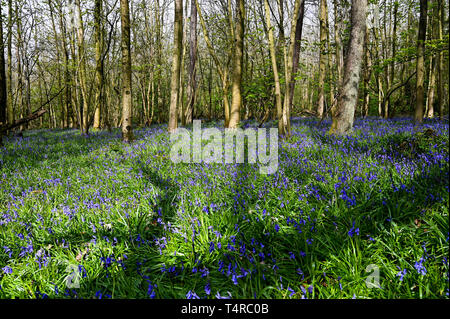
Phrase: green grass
(72, 200)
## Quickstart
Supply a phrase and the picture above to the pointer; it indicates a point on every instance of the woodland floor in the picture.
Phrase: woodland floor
(123, 221)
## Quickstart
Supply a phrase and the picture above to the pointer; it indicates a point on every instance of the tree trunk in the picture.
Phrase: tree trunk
(3, 91)
(367, 75)
(176, 66)
(297, 46)
(288, 69)
(420, 68)
(20, 82)
(348, 93)
(192, 86)
(440, 61)
(99, 62)
(10, 111)
(58, 57)
(337, 37)
(82, 68)
(323, 18)
(67, 94)
(236, 88)
(388, 106)
(127, 107)
(276, 76)
(378, 57)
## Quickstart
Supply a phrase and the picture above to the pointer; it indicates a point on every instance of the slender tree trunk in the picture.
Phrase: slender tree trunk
(297, 46)
(3, 91)
(236, 89)
(431, 88)
(20, 81)
(378, 57)
(127, 107)
(288, 69)
(98, 11)
(82, 68)
(348, 93)
(192, 86)
(176, 66)
(440, 61)
(367, 75)
(323, 18)
(388, 105)
(181, 109)
(276, 76)
(58, 57)
(74, 79)
(337, 37)
(420, 68)
(67, 81)
(10, 104)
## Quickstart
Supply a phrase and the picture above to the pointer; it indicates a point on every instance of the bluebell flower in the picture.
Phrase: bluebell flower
(420, 267)
(7, 270)
(192, 295)
(353, 231)
(234, 279)
(401, 274)
(292, 291)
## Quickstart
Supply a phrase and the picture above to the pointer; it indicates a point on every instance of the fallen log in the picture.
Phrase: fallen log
(36, 114)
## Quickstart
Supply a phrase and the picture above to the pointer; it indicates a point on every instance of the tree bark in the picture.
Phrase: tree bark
(176, 66)
(288, 69)
(296, 57)
(420, 68)
(236, 87)
(10, 111)
(20, 81)
(67, 94)
(98, 11)
(276, 76)
(440, 61)
(348, 93)
(367, 75)
(337, 38)
(323, 18)
(3, 91)
(82, 68)
(127, 107)
(192, 86)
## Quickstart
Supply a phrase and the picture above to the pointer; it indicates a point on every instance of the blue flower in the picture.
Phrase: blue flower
(401, 274)
(292, 291)
(208, 289)
(192, 295)
(7, 270)
(420, 267)
(353, 231)
(234, 279)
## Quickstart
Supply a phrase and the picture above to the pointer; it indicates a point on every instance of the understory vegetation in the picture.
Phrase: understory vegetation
(92, 217)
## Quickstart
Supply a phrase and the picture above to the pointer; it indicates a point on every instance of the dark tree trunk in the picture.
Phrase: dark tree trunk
(420, 68)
